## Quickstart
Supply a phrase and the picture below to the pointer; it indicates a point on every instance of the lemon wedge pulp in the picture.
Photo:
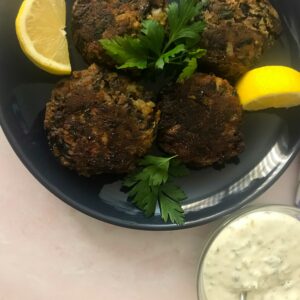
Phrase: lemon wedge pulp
(270, 86)
(40, 30)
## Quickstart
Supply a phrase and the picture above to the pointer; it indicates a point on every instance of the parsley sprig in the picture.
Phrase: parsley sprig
(153, 184)
(157, 46)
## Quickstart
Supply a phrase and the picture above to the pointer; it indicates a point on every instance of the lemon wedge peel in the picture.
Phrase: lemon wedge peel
(269, 87)
(57, 37)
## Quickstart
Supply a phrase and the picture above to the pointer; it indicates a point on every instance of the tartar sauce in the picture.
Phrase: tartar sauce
(258, 253)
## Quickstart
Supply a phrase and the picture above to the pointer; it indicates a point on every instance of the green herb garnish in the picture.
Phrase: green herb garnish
(153, 184)
(156, 45)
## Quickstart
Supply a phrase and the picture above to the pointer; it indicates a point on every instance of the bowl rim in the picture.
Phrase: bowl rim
(38, 174)
(128, 224)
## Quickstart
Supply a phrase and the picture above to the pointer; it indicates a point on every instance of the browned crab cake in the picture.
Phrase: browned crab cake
(200, 121)
(94, 20)
(237, 33)
(100, 122)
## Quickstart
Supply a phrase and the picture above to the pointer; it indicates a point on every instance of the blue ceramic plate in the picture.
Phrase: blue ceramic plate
(272, 139)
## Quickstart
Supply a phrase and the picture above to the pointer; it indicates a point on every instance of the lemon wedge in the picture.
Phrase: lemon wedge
(268, 87)
(40, 30)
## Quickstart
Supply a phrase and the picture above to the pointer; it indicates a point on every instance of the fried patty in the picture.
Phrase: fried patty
(100, 122)
(97, 19)
(237, 33)
(200, 121)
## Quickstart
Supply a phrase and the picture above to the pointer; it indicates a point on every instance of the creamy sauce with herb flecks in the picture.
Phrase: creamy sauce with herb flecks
(258, 253)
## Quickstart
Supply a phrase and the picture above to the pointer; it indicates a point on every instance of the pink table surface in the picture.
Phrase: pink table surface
(49, 251)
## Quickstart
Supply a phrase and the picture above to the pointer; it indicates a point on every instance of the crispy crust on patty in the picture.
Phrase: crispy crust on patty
(100, 122)
(200, 121)
(237, 33)
(95, 19)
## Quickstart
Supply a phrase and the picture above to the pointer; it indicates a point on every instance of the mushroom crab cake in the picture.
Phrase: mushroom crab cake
(97, 19)
(237, 33)
(200, 121)
(100, 122)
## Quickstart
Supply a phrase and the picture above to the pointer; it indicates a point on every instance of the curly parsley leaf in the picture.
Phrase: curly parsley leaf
(181, 20)
(191, 64)
(144, 197)
(152, 185)
(171, 208)
(173, 192)
(127, 51)
(155, 45)
(152, 37)
(189, 70)
(198, 53)
(167, 57)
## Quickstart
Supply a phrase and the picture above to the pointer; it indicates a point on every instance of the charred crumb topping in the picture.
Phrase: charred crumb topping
(159, 15)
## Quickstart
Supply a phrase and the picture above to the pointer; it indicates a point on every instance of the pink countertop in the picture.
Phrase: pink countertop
(49, 251)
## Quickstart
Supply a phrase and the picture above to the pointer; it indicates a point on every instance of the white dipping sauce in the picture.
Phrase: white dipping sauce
(258, 253)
